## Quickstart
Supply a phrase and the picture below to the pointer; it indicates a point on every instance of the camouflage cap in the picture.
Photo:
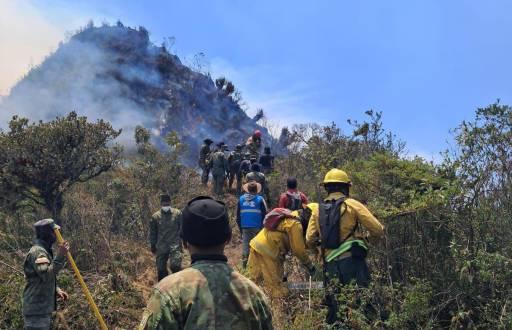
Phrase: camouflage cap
(46, 223)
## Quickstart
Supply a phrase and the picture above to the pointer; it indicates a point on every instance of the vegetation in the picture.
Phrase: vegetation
(445, 261)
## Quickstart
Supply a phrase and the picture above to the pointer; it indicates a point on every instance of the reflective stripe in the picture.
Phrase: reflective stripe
(344, 248)
(250, 211)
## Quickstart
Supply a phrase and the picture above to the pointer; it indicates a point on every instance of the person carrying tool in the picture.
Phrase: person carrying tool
(164, 231)
(220, 168)
(204, 154)
(250, 212)
(336, 228)
(41, 269)
(292, 199)
(209, 294)
(267, 161)
(234, 160)
(283, 232)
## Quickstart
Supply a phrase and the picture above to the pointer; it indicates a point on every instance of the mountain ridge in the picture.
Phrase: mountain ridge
(116, 73)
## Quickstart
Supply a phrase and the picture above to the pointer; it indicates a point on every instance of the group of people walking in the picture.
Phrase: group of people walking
(227, 166)
(210, 293)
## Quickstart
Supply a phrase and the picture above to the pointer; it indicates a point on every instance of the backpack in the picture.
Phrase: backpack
(330, 219)
(274, 218)
(218, 160)
(294, 201)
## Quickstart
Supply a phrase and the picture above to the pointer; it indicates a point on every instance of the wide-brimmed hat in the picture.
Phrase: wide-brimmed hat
(208, 141)
(251, 184)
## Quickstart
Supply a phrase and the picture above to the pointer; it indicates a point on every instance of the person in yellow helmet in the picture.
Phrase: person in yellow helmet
(283, 233)
(336, 228)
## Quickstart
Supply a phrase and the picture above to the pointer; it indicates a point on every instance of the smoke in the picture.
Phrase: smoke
(25, 38)
(91, 80)
(114, 73)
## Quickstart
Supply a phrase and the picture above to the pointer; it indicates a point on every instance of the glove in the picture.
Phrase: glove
(153, 248)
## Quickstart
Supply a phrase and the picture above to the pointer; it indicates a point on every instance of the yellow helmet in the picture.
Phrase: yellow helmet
(336, 176)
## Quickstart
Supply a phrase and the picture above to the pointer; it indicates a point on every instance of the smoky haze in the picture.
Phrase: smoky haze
(115, 73)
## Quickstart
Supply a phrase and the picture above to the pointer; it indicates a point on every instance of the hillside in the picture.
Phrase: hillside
(116, 73)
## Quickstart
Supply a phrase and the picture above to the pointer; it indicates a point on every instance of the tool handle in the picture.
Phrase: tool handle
(85, 290)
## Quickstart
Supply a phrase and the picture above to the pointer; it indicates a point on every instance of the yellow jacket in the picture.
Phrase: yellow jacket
(355, 213)
(276, 243)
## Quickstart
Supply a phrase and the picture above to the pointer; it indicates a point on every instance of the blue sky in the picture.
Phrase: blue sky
(426, 64)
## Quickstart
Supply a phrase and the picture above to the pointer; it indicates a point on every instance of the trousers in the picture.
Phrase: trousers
(174, 257)
(342, 272)
(270, 270)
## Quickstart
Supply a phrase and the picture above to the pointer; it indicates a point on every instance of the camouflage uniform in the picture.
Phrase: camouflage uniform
(254, 146)
(203, 164)
(261, 179)
(219, 169)
(39, 296)
(164, 234)
(235, 159)
(208, 295)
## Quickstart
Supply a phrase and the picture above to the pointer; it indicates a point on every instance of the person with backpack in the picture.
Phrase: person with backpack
(337, 228)
(267, 161)
(292, 199)
(220, 168)
(256, 175)
(234, 160)
(282, 233)
(251, 211)
(245, 168)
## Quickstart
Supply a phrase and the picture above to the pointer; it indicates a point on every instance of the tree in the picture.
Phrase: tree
(39, 162)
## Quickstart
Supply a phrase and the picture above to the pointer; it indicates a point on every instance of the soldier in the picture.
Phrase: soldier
(209, 294)
(256, 175)
(164, 237)
(267, 161)
(219, 169)
(41, 269)
(204, 154)
(253, 144)
(234, 160)
(245, 168)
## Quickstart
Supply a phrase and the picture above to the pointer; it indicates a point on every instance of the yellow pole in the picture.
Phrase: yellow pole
(95, 309)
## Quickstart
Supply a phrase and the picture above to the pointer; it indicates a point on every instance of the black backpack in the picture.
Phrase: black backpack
(330, 219)
(294, 202)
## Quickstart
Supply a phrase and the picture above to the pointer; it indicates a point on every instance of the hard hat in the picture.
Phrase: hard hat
(257, 133)
(336, 176)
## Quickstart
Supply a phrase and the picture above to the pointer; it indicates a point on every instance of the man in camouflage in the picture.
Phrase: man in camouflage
(256, 175)
(253, 144)
(204, 153)
(220, 167)
(245, 167)
(41, 268)
(235, 159)
(164, 237)
(209, 294)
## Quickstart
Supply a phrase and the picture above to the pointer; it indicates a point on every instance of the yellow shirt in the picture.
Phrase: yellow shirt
(353, 212)
(288, 236)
